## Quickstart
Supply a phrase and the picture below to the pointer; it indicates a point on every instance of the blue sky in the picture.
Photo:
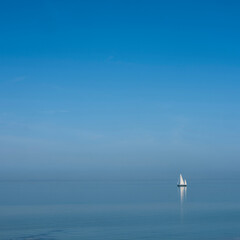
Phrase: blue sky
(119, 87)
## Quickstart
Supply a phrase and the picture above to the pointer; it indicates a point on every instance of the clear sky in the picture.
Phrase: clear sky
(120, 87)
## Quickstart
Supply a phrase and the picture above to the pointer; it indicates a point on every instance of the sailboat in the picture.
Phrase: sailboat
(182, 183)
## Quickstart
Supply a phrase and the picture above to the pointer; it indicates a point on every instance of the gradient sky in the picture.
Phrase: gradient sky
(120, 87)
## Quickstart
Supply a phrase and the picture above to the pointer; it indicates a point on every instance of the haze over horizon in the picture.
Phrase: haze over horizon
(119, 88)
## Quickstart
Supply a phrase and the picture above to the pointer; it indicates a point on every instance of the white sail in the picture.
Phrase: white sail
(181, 180)
(185, 182)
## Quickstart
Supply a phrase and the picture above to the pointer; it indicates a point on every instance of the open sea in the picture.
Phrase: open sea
(121, 210)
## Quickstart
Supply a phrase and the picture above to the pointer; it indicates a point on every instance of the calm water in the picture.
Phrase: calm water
(119, 210)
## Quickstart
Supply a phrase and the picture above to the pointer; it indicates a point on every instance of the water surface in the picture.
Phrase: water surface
(57, 210)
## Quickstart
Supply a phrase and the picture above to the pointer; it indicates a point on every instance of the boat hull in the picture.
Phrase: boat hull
(182, 185)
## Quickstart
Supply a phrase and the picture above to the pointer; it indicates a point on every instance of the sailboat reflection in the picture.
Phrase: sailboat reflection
(183, 194)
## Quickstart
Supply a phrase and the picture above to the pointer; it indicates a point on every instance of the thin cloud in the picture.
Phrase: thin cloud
(52, 112)
(19, 79)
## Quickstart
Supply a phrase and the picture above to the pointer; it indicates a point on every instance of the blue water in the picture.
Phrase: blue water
(52, 210)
